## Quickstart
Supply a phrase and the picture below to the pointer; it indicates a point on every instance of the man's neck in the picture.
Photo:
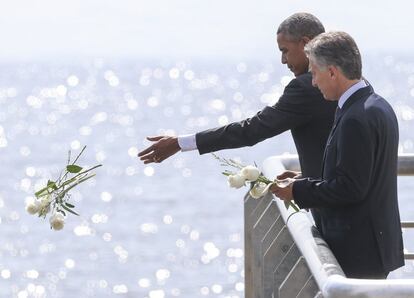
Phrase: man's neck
(344, 85)
(351, 90)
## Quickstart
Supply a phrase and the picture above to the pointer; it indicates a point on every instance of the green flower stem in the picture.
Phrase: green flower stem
(74, 178)
(294, 206)
(76, 159)
(64, 191)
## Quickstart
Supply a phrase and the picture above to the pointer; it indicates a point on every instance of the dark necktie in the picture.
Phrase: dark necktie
(337, 112)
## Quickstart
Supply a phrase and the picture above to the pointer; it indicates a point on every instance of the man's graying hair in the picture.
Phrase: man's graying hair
(337, 49)
(299, 25)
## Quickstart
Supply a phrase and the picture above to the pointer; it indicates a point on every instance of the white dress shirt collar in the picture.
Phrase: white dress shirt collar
(351, 90)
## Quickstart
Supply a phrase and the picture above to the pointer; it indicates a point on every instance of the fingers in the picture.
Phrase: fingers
(286, 174)
(146, 151)
(278, 190)
(151, 158)
(281, 176)
(151, 155)
(150, 148)
(154, 138)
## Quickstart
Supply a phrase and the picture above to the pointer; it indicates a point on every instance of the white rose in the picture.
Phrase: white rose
(44, 205)
(250, 173)
(236, 181)
(33, 206)
(57, 221)
(259, 190)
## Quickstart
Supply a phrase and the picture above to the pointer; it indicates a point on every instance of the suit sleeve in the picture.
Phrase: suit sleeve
(353, 171)
(293, 109)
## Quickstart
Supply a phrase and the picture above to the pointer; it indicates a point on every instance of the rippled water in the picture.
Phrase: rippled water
(167, 230)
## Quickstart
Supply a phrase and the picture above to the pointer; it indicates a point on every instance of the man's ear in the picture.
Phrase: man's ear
(305, 39)
(333, 72)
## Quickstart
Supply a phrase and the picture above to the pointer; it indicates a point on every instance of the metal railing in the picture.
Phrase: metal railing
(287, 258)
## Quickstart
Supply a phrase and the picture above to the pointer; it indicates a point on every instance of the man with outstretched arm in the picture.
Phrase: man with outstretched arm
(301, 109)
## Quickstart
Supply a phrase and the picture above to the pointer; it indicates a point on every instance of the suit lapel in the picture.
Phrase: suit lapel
(359, 94)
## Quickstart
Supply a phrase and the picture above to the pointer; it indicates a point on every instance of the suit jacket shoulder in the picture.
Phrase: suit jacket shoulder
(299, 104)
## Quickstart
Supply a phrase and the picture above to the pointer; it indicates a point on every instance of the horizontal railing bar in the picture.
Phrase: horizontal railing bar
(405, 163)
(407, 224)
(409, 256)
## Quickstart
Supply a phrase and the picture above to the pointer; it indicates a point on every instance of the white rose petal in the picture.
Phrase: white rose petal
(250, 173)
(259, 190)
(57, 221)
(236, 181)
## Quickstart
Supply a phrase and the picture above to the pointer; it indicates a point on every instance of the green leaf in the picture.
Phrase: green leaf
(73, 169)
(41, 193)
(69, 205)
(69, 210)
(51, 184)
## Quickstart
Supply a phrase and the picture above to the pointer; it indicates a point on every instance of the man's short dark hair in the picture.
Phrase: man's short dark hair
(299, 25)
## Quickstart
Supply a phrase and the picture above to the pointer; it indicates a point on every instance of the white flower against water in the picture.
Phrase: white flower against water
(33, 206)
(250, 173)
(236, 181)
(57, 221)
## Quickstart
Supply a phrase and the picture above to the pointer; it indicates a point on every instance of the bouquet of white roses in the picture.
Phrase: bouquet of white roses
(54, 197)
(259, 184)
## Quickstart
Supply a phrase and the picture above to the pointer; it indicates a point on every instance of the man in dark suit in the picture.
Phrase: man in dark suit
(357, 195)
(300, 109)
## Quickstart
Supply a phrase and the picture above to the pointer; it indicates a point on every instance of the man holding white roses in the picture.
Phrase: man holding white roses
(357, 194)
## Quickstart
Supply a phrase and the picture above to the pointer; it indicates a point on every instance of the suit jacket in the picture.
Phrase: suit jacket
(357, 196)
(301, 108)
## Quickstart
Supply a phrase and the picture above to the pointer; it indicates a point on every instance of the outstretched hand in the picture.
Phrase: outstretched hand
(162, 148)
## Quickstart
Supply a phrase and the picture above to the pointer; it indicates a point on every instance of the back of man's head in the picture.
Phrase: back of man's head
(300, 25)
(336, 48)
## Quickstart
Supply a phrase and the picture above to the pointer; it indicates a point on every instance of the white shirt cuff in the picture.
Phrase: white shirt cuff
(187, 142)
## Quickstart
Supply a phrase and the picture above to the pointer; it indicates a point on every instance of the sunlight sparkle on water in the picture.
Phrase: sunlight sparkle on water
(83, 230)
(157, 294)
(174, 73)
(149, 228)
(106, 196)
(167, 219)
(152, 101)
(73, 81)
(5, 273)
(162, 274)
(144, 282)
(120, 289)
(32, 274)
(149, 171)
